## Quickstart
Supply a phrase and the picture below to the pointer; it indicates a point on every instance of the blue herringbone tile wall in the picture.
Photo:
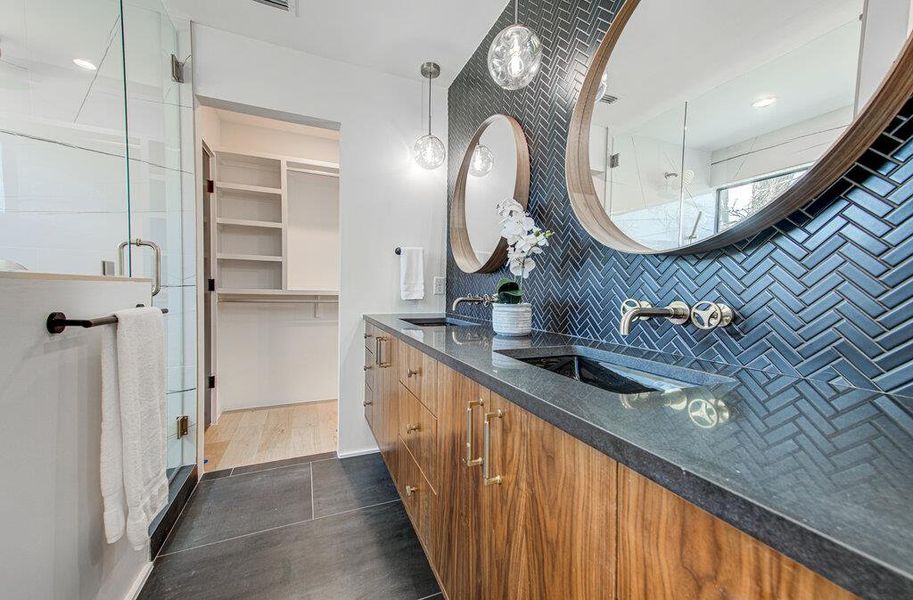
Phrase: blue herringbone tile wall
(826, 294)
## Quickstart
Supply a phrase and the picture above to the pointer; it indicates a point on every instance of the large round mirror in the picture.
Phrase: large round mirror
(495, 167)
(701, 123)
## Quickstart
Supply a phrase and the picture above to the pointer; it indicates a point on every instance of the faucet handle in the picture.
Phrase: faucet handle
(630, 304)
(710, 315)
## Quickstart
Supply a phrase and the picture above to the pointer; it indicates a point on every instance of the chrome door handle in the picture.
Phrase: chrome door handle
(468, 459)
(486, 448)
(157, 258)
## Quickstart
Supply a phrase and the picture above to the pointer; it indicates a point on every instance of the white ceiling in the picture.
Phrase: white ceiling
(720, 56)
(393, 36)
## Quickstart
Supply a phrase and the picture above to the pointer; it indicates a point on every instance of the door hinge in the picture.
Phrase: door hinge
(211, 285)
(210, 186)
(212, 382)
(183, 425)
(177, 69)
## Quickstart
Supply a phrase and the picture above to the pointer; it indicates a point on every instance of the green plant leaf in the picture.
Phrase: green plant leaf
(509, 291)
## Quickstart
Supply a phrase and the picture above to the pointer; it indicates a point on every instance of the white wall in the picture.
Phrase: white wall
(385, 199)
(53, 544)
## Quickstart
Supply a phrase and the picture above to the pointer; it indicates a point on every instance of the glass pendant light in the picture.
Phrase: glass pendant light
(482, 161)
(428, 150)
(515, 55)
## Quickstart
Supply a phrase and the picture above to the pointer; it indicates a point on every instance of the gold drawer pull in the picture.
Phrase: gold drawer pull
(412, 372)
(486, 448)
(469, 460)
(411, 428)
(411, 489)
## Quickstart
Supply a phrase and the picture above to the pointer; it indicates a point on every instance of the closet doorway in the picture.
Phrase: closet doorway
(271, 258)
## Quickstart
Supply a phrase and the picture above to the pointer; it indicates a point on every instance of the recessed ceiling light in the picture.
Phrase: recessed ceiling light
(764, 102)
(84, 64)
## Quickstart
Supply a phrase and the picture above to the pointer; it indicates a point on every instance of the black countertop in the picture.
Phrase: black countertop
(822, 473)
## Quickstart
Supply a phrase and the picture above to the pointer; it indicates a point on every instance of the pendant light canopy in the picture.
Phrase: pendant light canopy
(515, 55)
(428, 150)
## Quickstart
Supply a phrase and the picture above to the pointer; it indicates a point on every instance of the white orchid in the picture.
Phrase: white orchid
(524, 238)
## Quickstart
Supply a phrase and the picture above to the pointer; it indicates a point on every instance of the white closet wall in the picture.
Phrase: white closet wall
(275, 346)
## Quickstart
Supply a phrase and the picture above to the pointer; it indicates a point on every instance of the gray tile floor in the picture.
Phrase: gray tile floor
(310, 529)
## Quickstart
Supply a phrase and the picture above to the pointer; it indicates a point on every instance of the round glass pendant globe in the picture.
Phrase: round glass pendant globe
(514, 57)
(429, 152)
(482, 161)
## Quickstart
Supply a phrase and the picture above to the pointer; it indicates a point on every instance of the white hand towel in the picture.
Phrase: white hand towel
(133, 481)
(411, 274)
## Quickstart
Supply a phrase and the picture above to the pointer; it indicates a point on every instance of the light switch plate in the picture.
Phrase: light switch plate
(440, 286)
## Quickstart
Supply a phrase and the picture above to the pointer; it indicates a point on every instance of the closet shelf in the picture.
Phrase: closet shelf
(243, 187)
(239, 294)
(249, 257)
(250, 223)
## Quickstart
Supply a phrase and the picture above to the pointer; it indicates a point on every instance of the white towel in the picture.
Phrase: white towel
(134, 486)
(411, 274)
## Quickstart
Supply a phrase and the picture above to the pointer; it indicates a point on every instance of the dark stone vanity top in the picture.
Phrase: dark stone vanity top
(822, 473)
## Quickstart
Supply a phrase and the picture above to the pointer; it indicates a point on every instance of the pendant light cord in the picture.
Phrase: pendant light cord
(516, 11)
(429, 104)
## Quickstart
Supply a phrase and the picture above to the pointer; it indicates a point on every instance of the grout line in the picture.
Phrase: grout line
(277, 527)
(298, 464)
(345, 512)
(313, 506)
(434, 595)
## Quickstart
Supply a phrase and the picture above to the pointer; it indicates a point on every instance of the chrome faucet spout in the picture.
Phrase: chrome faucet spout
(677, 312)
(484, 299)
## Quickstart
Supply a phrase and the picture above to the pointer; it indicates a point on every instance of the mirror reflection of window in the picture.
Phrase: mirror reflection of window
(709, 111)
(493, 175)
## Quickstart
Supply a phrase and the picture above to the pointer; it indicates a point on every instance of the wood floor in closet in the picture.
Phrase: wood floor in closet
(258, 435)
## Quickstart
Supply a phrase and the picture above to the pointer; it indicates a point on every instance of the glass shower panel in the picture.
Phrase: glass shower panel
(162, 198)
(63, 181)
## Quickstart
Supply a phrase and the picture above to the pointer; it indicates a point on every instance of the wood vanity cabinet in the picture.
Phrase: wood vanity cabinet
(669, 548)
(554, 518)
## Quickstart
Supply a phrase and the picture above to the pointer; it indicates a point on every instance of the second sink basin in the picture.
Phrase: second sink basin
(613, 372)
(436, 322)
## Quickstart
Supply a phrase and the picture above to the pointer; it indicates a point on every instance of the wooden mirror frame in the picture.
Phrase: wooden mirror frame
(460, 245)
(882, 107)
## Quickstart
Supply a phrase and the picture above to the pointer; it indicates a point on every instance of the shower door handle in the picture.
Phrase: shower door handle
(157, 261)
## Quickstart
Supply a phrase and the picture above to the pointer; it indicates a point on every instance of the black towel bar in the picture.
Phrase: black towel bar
(57, 321)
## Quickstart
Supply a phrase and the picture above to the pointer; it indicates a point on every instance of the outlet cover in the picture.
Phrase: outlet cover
(440, 286)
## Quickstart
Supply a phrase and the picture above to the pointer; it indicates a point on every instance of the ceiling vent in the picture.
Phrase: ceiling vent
(289, 6)
(609, 99)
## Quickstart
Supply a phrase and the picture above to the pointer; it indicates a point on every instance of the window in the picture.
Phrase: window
(738, 202)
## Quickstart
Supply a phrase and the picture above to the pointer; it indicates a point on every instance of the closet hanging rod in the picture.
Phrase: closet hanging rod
(57, 322)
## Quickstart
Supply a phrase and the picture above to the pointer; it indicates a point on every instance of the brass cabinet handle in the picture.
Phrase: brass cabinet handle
(486, 448)
(367, 403)
(411, 489)
(411, 428)
(380, 344)
(368, 335)
(469, 460)
(412, 372)
(368, 367)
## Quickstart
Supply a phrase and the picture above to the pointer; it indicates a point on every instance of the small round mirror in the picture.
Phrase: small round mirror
(495, 167)
(701, 123)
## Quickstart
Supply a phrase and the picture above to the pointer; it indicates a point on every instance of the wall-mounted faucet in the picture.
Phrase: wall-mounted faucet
(704, 314)
(677, 313)
(484, 300)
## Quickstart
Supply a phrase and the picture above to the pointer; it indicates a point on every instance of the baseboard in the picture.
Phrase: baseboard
(278, 405)
(361, 452)
(139, 582)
